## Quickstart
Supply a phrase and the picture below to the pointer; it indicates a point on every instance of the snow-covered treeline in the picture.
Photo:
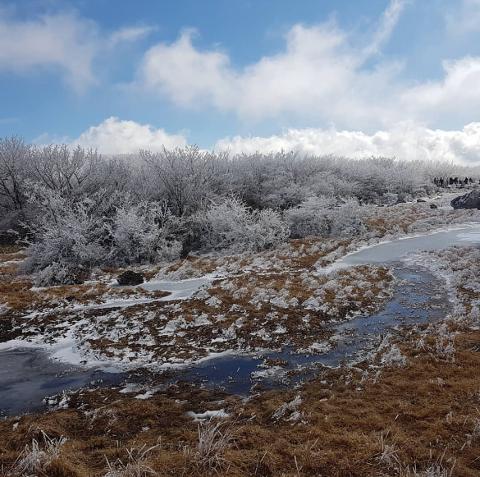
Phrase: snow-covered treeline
(79, 209)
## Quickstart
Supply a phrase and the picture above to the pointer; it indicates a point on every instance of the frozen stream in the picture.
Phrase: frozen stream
(398, 249)
(418, 297)
(28, 375)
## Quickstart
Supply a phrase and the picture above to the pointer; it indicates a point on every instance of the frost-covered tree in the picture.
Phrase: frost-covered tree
(183, 177)
(71, 237)
(143, 233)
(310, 218)
(348, 219)
(233, 227)
(78, 172)
(68, 238)
(320, 216)
(127, 197)
(15, 156)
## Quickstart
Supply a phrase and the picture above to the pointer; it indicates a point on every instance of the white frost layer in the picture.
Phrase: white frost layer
(179, 290)
(391, 250)
(202, 416)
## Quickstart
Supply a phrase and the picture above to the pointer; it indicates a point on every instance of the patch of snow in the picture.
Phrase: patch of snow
(203, 416)
(179, 290)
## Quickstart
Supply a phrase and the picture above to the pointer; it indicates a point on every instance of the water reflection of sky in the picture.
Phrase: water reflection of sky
(415, 289)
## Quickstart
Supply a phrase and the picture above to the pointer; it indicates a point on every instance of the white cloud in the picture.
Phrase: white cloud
(63, 41)
(389, 21)
(323, 75)
(129, 34)
(114, 136)
(186, 75)
(320, 74)
(456, 98)
(408, 141)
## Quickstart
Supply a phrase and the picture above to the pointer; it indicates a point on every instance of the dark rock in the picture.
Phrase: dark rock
(421, 200)
(130, 278)
(467, 201)
(433, 206)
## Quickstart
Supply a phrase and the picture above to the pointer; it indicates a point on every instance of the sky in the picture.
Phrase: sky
(396, 78)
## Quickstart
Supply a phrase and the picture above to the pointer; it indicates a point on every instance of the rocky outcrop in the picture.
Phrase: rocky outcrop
(467, 201)
(130, 278)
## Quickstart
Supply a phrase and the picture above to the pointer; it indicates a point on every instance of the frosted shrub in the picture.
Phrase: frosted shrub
(445, 343)
(214, 439)
(347, 219)
(232, 226)
(73, 237)
(319, 216)
(390, 198)
(68, 240)
(267, 230)
(328, 184)
(475, 313)
(289, 411)
(393, 357)
(143, 233)
(311, 217)
(134, 466)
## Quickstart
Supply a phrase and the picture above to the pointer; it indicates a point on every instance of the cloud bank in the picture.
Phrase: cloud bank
(317, 76)
(114, 136)
(406, 141)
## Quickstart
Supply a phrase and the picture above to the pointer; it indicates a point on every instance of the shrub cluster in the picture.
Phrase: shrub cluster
(78, 209)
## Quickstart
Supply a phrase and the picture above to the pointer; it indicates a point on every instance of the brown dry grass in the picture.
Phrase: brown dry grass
(426, 410)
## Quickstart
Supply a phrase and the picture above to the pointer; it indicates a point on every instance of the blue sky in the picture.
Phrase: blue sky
(391, 77)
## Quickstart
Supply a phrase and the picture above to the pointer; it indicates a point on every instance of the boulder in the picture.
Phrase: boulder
(421, 200)
(433, 206)
(130, 278)
(467, 201)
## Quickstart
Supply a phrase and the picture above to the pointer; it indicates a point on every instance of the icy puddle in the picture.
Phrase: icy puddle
(418, 298)
(28, 375)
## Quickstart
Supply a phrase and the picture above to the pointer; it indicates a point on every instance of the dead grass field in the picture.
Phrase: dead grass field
(425, 414)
